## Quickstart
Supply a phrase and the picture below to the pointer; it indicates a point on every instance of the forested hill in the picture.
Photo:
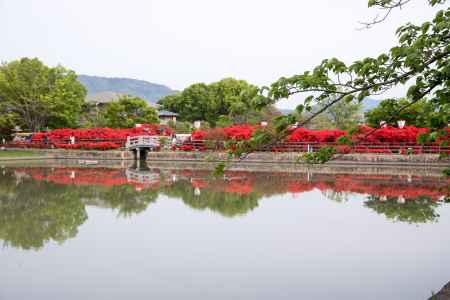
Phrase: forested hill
(151, 92)
(367, 104)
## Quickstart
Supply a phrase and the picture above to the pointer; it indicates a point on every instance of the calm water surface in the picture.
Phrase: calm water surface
(100, 233)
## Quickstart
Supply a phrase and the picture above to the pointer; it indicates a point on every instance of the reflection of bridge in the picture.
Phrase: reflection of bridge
(141, 176)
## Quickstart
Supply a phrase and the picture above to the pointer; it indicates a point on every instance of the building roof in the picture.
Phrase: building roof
(166, 113)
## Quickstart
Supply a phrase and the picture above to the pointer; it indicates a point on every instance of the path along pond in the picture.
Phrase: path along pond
(73, 232)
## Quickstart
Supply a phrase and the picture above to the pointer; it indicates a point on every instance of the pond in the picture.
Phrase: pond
(76, 232)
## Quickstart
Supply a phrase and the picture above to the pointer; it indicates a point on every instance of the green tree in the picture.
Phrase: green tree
(226, 99)
(93, 116)
(7, 121)
(342, 115)
(180, 126)
(418, 114)
(191, 104)
(345, 115)
(36, 96)
(128, 111)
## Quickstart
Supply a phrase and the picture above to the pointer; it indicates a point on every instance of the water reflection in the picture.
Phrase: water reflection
(34, 212)
(415, 210)
(38, 205)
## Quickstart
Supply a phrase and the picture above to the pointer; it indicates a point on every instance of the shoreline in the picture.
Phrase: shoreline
(278, 164)
(284, 158)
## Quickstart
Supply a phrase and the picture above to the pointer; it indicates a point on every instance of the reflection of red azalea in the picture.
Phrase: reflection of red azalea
(187, 148)
(186, 173)
(84, 176)
(299, 187)
(239, 186)
(242, 182)
(199, 183)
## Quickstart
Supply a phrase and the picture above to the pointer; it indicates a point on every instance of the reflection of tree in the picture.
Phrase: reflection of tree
(38, 205)
(227, 204)
(127, 200)
(34, 213)
(336, 196)
(419, 210)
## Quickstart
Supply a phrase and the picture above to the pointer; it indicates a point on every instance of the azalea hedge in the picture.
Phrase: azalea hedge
(102, 133)
(91, 138)
(362, 140)
(407, 134)
(89, 146)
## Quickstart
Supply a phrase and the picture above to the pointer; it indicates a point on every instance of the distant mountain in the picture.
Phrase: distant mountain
(367, 104)
(286, 111)
(101, 87)
(104, 97)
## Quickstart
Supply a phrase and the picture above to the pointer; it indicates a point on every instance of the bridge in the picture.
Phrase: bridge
(140, 144)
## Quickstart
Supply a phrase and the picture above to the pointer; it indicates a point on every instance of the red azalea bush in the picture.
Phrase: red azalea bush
(366, 139)
(150, 129)
(314, 136)
(236, 132)
(216, 134)
(240, 132)
(392, 135)
(91, 134)
(198, 135)
(89, 146)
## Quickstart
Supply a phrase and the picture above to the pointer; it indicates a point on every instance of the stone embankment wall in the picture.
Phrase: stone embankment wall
(258, 157)
(259, 162)
(291, 157)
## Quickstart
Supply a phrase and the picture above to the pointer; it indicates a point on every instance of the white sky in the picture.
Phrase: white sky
(177, 43)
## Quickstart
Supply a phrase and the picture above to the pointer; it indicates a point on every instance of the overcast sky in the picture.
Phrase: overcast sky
(180, 42)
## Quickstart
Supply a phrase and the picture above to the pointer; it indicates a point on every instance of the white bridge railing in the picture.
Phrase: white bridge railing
(142, 141)
(142, 177)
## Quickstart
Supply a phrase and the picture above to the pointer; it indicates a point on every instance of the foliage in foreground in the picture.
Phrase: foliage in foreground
(420, 59)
